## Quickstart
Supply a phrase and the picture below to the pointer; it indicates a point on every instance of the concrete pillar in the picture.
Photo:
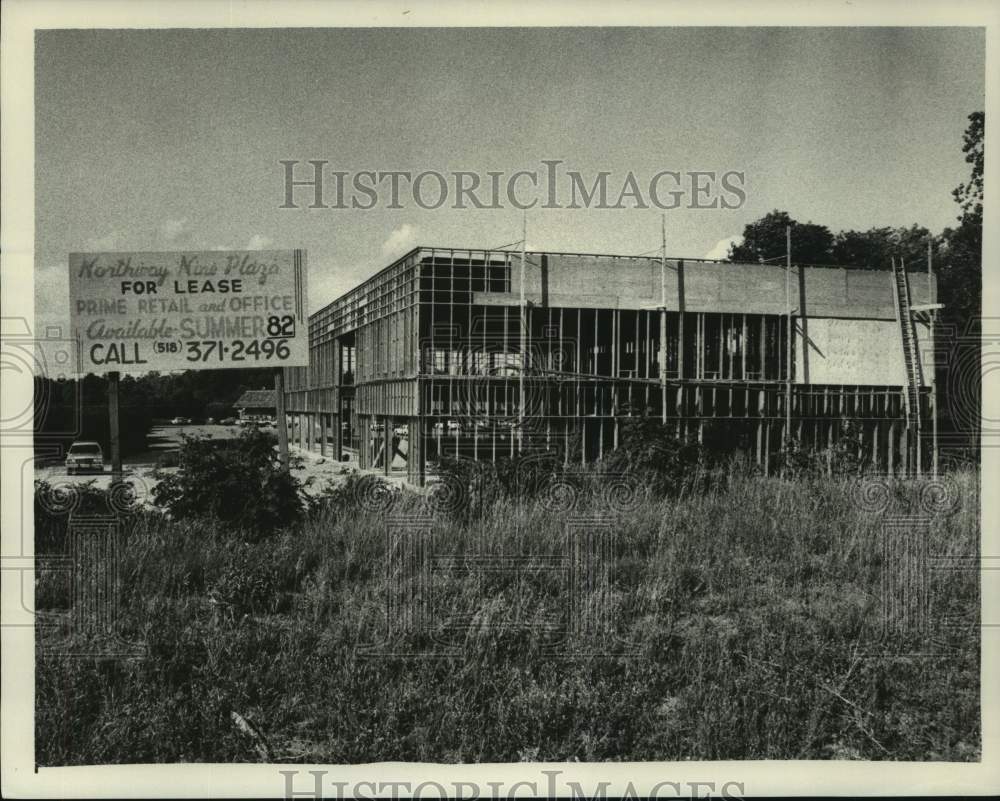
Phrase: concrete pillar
(338, 436)
(322, 433)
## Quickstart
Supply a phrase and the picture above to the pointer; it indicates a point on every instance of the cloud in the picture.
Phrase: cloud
(103, 243)
(721, 249)
(259, 242)
(173, 229)
(400, 240)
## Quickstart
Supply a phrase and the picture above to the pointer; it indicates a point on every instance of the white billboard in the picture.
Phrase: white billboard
(189, 310)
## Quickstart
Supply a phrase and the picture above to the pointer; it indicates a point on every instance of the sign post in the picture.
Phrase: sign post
(279, 413)
(116, 448)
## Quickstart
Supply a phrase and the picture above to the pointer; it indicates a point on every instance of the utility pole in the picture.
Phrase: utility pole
(663, 319)
(913, 447)
(931, 327)
(788, 314)
(115, 432)
(524, 323)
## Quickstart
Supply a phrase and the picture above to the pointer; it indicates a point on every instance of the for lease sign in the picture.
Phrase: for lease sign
(189, 310)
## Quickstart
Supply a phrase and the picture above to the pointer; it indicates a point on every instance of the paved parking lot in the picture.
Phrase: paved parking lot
(136, 468)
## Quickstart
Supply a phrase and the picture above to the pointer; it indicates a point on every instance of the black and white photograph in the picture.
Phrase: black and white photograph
(543, 394)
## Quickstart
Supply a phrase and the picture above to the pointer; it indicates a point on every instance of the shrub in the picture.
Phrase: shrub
(239, 483)
(848, 456)
(169, 459)
(357, 493)
(648, 455)
(649, 450)
(466, 489)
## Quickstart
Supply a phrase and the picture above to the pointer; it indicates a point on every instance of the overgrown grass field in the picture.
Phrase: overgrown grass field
(748, 620)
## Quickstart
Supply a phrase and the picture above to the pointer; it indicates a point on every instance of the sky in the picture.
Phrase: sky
(171, 140)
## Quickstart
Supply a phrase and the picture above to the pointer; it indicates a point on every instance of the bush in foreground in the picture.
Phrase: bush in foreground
(649, 459)
(239, 483)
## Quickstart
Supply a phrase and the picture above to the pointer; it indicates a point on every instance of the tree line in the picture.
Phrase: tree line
(68, 409)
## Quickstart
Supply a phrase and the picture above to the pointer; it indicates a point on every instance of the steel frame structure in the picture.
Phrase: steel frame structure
(430, 357)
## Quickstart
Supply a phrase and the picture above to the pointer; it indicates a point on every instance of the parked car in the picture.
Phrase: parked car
(228, 421)
(84, 455)
(180, 421)
(451, 425)
(210, 421)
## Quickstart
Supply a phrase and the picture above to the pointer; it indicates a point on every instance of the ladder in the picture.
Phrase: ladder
(908, 339)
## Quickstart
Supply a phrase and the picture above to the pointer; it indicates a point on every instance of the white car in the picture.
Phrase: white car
(84, 456)
(451, 425)
(180, 421)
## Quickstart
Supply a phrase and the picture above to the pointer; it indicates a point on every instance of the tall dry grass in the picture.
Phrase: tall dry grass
(747, 622)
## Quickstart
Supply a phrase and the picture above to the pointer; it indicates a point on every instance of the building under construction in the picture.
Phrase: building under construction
(483, 354)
